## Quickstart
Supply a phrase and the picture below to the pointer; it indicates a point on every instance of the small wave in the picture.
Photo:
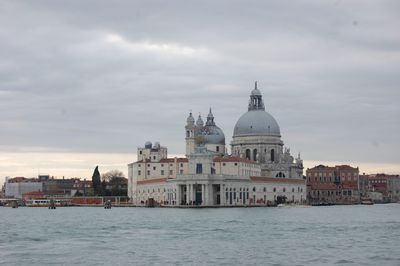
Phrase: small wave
(342, 261)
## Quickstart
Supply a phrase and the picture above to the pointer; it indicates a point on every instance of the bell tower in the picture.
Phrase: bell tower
(190, 136)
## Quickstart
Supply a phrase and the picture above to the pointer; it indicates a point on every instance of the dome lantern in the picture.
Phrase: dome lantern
(190, 119)
(256, 102)
(256, 121)
(199, 121)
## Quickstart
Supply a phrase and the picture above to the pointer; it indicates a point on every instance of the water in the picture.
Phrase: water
(351, 235)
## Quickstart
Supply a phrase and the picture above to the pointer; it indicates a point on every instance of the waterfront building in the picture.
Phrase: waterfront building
(333, 185)
(260, 171)
(17, 186)
(380, 187)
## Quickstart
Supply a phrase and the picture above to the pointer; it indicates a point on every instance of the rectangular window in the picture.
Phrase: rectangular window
(148, 172)
(199, 168)
(171, 172)
(140, 152)
(235, 164)
(217, 149)
(162, 172)
(223, 164)
(139, 172)
(181, 172)
(154, 168)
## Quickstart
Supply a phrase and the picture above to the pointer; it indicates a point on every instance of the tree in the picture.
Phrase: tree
(111, 175)
(96, 182)
(115, 183)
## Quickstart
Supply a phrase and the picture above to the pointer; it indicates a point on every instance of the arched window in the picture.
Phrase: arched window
(272, 155)
(265, 189)
(284, 189)
(254, 189)
(274, 189)
(280, 174)
(255, 155)
(248, 154)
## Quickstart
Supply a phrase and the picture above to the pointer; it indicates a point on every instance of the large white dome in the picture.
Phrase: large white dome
(256, 122)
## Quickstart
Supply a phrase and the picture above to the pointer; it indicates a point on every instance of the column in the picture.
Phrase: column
(190, 193)
(222, 191)
(187, 193)
(202, 194)
(178, 195)
(210, 195)
(205, 195)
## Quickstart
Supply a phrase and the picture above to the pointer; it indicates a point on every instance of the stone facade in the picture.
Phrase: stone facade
(208, 176)
(257, 137)
(333, 185)
(388, 186)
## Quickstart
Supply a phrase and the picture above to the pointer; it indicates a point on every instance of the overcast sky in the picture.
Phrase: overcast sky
(85, 82)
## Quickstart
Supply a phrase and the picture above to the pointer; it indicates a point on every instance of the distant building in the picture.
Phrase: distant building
(333, 185)
(388, 186)
(81, 187)
(33, 195)
(49, 186)
(58, 187)
(259, 171)
(16, 187)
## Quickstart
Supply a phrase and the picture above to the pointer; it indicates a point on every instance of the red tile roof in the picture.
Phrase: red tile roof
(349, 185)
(171, 160)
(33, 193)
(166, 160)
(332, 186)
(323, 186)
(152, 181)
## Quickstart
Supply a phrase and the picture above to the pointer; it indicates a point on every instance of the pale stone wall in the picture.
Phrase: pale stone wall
(234, 192)
(217, 148)
(262, 193)
(156, 191)
(280, 164)
(237, 168)
(152, 154)
(263, 145)
(16, 190)
(170, 169)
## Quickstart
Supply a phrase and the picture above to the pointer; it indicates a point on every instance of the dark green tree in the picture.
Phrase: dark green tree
(96, 182)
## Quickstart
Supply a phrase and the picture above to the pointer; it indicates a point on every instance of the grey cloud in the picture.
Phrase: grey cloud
(328, 72)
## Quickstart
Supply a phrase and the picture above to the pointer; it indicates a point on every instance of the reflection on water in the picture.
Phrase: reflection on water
(351, 235)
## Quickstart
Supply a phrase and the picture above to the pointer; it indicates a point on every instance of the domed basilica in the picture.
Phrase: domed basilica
(257, 137)
(259, 170)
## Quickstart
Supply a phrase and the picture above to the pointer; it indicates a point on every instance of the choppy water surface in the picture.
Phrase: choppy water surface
(351, 235)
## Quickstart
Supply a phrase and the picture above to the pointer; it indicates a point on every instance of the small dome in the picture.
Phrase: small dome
(156, 145)
(213, 135)
(148, 145)
(190, 119)
(258, 123)
(256, 92)
(199, 122)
